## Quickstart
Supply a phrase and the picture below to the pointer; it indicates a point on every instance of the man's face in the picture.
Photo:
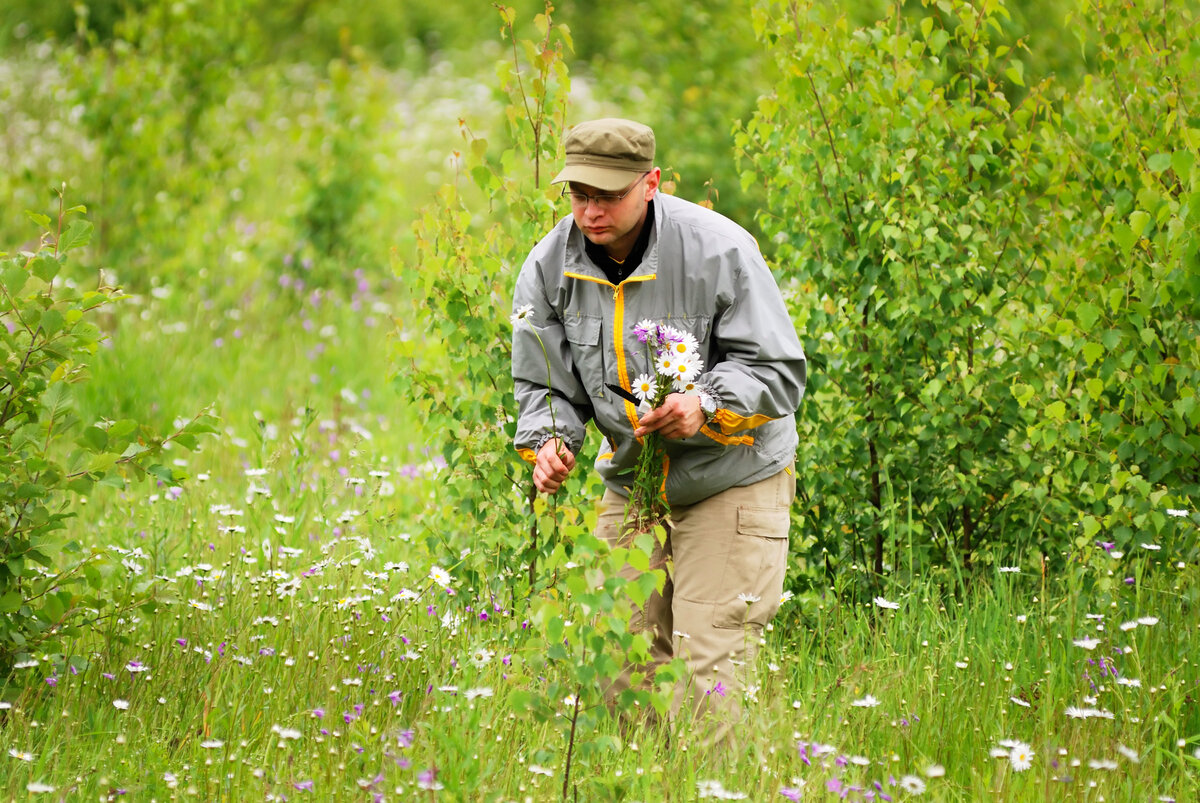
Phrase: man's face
(615, 225)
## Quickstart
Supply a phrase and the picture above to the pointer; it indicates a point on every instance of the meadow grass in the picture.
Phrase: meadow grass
(312, 638)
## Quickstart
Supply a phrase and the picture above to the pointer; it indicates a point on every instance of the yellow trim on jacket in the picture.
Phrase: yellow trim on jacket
(732, 422)
(619, 332)
(727, 440)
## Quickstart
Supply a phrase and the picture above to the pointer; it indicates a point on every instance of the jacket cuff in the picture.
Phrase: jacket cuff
(542, 441)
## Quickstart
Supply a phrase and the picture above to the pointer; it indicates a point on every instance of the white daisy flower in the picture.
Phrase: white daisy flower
(1086, 643)
(884, 603)
(665, 364)
(520, 313)
(1021, 757)
(868, 701)
(440, 576)
(685, 345)
(912, 784)
(644, 387)
(686, 368)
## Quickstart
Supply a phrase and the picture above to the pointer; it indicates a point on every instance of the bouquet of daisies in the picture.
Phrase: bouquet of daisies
(677, 365)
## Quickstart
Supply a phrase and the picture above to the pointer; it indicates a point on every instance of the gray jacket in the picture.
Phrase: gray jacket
(701, 273)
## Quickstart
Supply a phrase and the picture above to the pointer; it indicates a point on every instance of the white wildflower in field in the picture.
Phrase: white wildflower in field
(1102, 764)
(1010, 570)
(885, 603)
(37, 787)
(483, 691)
(1129, 753)
(935, 771)
(123, 705)
(1021, 757)
(1086, 643)
(714, 789)
(1020, 702)
(285, 733)
(1147, 621)
(1151, 547)
(440, 576)
(482, 656)
(538, 769)
(20, 755)
(212, 744)
(1129, 682)
(749, 599)
(912, 785)
(1177, 513)
(868, 701)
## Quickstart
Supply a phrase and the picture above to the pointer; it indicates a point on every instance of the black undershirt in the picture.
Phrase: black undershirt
(617, 272)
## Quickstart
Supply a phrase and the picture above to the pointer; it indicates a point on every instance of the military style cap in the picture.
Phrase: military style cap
(607, 154)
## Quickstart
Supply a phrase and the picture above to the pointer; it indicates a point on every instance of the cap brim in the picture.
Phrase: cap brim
(602, 178)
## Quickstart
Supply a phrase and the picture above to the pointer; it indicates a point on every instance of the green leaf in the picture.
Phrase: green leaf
(93, 439)
(1159, 162)
(10, 602)
(40, 219)
(1016, 73)
(1137, 222)
(78, 234)
(1092, 352)
(1087, 314)
(1124, 237)
(1182, 161)
(1057, 411)
(45, 267)
(1095, 388)
(14, 279)
(938, 40)
(52, 322)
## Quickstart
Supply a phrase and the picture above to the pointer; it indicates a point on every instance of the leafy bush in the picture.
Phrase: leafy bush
(994, 278)
(50, 588)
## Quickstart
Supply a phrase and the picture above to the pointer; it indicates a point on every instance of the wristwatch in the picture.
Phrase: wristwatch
(708, 406)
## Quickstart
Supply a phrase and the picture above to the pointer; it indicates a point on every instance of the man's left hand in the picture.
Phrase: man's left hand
(679, 417)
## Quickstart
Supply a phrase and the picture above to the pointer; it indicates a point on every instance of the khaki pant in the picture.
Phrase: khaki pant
(726, 558)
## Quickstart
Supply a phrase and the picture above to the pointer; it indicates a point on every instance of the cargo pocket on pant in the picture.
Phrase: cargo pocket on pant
(757, 564)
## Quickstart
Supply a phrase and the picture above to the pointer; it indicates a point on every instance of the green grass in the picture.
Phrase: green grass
(342, 669)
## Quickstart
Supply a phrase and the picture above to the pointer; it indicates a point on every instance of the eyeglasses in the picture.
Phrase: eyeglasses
(604, 199)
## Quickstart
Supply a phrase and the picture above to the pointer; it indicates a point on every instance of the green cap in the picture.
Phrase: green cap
(607, 154)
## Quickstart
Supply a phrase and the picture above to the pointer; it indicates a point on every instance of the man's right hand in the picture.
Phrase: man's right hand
(554, 463)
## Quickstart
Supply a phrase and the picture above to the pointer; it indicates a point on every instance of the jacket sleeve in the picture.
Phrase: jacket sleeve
(760, 370)
(551, 400)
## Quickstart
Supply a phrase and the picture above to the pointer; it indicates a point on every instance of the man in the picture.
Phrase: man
(628, 254)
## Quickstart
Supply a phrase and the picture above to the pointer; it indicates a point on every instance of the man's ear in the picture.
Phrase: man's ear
(652, 182)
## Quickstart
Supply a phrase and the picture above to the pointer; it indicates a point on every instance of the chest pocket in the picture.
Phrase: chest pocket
(583, 333)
